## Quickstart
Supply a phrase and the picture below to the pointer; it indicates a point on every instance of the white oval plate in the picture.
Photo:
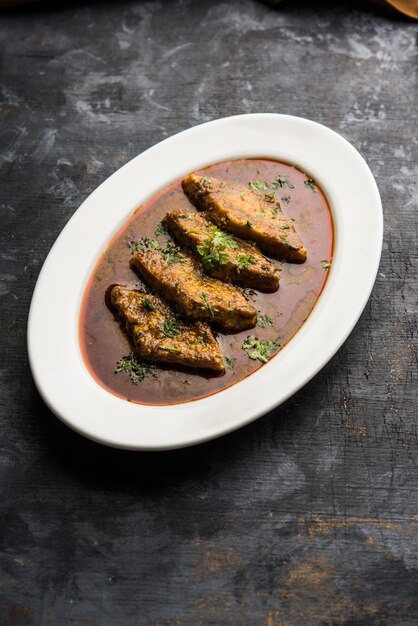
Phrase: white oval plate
(54, 353)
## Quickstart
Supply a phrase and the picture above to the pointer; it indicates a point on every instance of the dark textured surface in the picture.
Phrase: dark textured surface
(309, 515)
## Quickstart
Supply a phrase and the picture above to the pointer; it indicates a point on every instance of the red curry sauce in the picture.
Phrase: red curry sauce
(102, 339)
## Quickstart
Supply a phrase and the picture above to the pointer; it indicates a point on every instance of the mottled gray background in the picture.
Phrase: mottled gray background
(308, 516)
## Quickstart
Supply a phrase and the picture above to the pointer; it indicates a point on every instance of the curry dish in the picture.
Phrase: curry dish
(185, 301)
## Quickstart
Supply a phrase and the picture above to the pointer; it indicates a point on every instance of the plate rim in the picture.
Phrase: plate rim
(247, 123)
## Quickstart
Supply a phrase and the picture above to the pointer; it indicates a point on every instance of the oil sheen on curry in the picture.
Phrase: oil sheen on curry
(206, 282)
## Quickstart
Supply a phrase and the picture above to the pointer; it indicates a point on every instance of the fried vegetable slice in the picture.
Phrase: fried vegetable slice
(197, 296)
(158, 335)
(248, 213)
(222, 255)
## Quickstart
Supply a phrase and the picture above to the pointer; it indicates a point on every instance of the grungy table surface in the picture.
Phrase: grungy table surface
(308, 516)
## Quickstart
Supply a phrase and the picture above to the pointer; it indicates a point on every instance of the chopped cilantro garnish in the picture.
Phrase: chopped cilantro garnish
(260, 349)
(213, 249)
(245, 260)
(325, 264)
(282, 181)
(270, 197)
(211, 257)
(249, 224)
(258, 185)
(135, 369)
(206, 180)
(284, 227)
(169, 348)
(171, 254)
(160, 230)
(143, 244)
(212, 310)
(171, 328)
(147, 304)
(263, 320)
(220, 238)
(229, 362)
(311, 184)
(274, 213)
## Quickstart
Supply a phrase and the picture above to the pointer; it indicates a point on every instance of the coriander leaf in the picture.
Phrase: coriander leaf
(171, 254)
(220, 238)
(211, 257)
(212, 310)
(147, 304)
(160, 230)
(169, 348)
(229, 362)
(135, 369)
(260, 349)
(325, 264)
(245, 260)
(263, 320)
(133, 246)
(206, 180)
(311, 184)
(270, 197)
(171, 328)
(143, 244)
(212, 250)
(282, 181)
(258, 185)
(284, 227)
